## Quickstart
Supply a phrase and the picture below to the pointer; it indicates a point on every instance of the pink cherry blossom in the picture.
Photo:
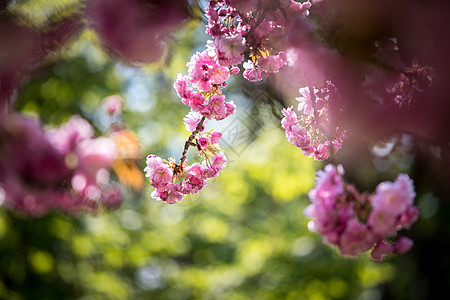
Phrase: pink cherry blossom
(161, 176)
(356, 239)
(397, 196)
(203, 142)
(230, 49)
(215, 136)
(251, 73)
(192, 119)
(271, 63)
(305, 102)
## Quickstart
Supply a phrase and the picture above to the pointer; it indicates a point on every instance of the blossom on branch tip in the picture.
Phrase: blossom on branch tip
(312, 131)
(357, 222)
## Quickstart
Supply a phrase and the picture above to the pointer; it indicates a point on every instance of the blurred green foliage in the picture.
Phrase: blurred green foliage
(243, 237)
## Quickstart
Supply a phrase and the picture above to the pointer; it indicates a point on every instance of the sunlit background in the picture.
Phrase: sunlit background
(244, 236)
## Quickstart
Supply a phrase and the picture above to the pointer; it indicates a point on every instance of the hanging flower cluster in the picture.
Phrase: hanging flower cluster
(251, 27)
(236, 32)
(357, 222)
(312, 132)
(172, 181)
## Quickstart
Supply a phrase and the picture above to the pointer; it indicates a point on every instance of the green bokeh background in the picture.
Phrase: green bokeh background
(244, 236)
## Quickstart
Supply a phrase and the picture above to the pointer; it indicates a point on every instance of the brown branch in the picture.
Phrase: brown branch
(179, 168)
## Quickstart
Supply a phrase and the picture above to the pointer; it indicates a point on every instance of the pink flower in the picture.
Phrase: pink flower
(271, 63)
(203, 142)
(396, 196)
(174, 197)
(230, 49)
(218, 74)
(298, 7)
(403, 244)
(217, 107)
(290, 118)
(381, 248)
(252, 74)
(181, 86)
(298, 138)
(215, 137)
(153, 162)
(263, 29)
(234, 70)
(197, 101)
(408, 217)
(218, 161)
(322, 151)
(161, 176)
(68, 135)
(195, 174)
(356, 239)
(329, 183)
(382, 222)
(305, 102)
(192, 119)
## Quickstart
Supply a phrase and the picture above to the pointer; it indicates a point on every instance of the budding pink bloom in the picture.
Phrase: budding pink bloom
(161, 176)
(215, 137)
(234, 70)
(271, 63)
(203, 142)
(403, 244)
(230, 49)
(381, 248)
(112, 104)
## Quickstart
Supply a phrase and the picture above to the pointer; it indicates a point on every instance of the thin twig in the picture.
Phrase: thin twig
(187, 144)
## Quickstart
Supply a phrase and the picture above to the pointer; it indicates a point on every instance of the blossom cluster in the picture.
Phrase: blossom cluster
(60, 169)
(357, 222)
(171, 180)
(201, 89)
(252, 27)
(312, 132)
(412, 80)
